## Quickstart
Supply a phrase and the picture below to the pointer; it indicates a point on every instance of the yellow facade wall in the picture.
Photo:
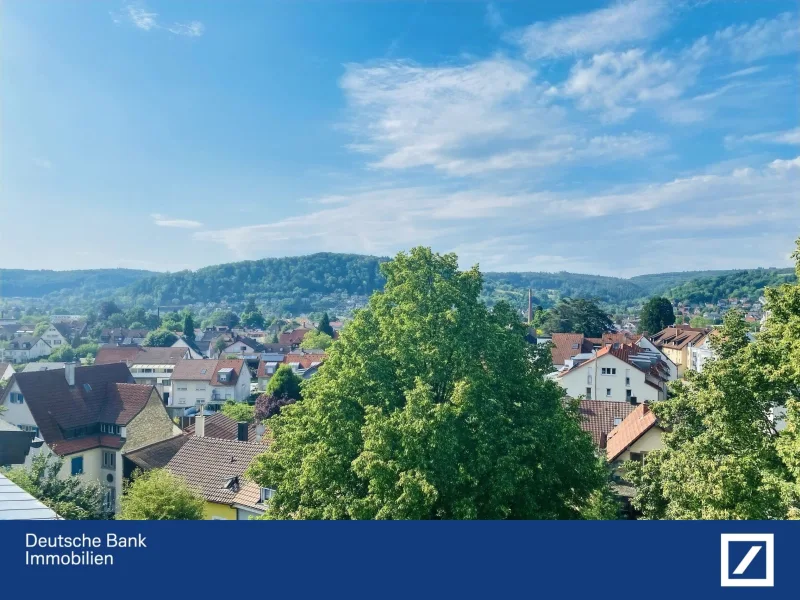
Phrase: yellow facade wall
(213, 510)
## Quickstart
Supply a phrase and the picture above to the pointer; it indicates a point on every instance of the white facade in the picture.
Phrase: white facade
(610, 378)
(698, 355)
(7, 373)
(37, 349)
(649, 346)
(53, 338)
(190, 393)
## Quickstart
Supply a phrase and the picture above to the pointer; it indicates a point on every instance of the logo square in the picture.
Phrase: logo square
(747, 560)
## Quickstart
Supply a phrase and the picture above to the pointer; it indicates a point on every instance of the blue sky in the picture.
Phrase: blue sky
(615, 138)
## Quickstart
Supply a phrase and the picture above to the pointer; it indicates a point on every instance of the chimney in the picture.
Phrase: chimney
(69, 373)
(241, 431)
(530, 306)
(200, 424)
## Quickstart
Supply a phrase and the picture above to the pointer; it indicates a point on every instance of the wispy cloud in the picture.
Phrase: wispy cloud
(618, 25)
(383, 221)
(164, 221)
(743, 72)
(786, 137)
(493, 17)
(145, 19)
(749, 42)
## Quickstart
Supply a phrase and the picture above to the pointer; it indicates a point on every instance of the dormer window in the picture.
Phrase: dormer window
(266, 494)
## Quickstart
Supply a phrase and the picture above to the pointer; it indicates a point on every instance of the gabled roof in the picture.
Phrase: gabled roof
(567, 345)
(206, 370)
(241, 339)
(139, 355)
(157, 454)
(107, 355)
(4, 367)
(101, 394)
(35, 367)
(678, 338)
(599, 417)
(304, 359)
(635, 425)
(293, 336)
(221, 426)
(216, 467)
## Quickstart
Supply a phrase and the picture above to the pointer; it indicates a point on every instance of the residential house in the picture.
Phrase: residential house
(699, 353)
(293, 337)
(194, 351)
(216, 467)
(618, 373)
(219, 425)
(148, 365)
(266, 368)
(210, 382)
(120, 336)
(567, 345)
(600, 417)
(674, 342)
(43, 366)
(88, 416)
(6, 371)
(26, 348)
(638, 434)
(57, 335)
(242, 347)
(305, 362)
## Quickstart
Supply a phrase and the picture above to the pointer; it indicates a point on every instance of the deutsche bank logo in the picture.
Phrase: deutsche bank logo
(748, 560)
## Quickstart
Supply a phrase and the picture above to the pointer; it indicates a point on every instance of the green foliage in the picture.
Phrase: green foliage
(325, 325)
(37, 284)
(577, 315)
(284, 383)
(173, 321)
(316, 339)
(88, 350)
(252, 317)
(41, 327)
(226, 318)
(107, 308)
(161, 338)
(430, 406)
(70, 497)
(699, 321)
(656, 314)
(188, 328)
(62, 353)
(737, 284)
(238, 411)
(723, 458)
(220, 344)
(158, 495)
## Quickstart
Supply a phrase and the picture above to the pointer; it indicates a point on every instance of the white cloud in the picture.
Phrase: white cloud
(612, 27)
(749, 42)
(789, 137)
(617, 83)
(505, 227)
(192, 29)
(493, 17)
(143, 18)
(743, 72)
(164, 221)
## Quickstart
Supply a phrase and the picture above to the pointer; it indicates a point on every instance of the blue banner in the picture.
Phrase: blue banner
(592, 560)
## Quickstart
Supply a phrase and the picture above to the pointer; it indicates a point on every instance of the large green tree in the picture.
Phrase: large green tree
(284, 383)
(158, 495)
(430, 406)
(316, 340)
(188, 328)
(70, 497)
(160, 338)
(577, 315)
(656, 314)
(252, 317)
(324, 325)
(723, 456)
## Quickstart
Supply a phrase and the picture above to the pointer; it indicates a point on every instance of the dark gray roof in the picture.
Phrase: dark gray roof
(16, 504)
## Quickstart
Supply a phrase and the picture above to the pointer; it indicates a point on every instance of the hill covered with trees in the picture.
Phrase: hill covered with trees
(340, 282)
(738, 284)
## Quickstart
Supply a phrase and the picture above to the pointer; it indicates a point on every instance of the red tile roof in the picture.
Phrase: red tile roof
(678, 338)
(305, 359)
(157, 454)
(193, 370)
(567, 345)
(598, 417)
(222, 427)
(635, 425)
(101, 394)
(116, 354)
(293, 336)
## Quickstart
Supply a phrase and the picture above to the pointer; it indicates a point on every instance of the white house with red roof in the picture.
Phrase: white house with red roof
(208, 382)
(88, 416)
(620, 373)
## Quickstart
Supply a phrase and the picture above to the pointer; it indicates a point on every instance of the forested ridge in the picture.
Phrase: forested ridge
(324, 280)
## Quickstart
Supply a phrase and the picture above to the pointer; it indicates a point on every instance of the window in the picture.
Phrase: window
(608, 392)
(77, 465)
(110, 499)
(588, 393)
(109, 460)
(110, 428)
(200, 388)
(16, 398)
(182, 388)
(56, 342)
(266, 494)
(638, 456)
(575, 346)
(628, 394)
(608, 371)
(32, 428)
(627, 381)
